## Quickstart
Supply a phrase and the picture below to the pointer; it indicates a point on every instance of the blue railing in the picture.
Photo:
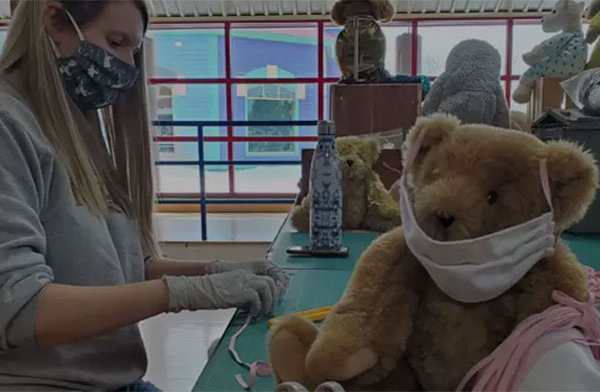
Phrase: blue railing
(202, 163)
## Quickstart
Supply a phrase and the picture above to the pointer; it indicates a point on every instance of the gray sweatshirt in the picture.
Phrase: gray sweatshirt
(46, 237)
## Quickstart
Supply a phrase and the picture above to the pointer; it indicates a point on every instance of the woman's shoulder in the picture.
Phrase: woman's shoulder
(17, 118)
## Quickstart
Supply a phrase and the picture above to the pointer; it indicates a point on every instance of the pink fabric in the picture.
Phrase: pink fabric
(258, 368)
(506, 367)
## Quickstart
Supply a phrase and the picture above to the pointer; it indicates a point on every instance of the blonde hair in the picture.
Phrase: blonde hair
(120, 175)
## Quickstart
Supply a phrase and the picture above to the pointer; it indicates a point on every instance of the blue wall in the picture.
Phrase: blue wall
(200, 54)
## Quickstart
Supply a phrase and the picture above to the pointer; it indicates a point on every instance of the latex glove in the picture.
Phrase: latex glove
(235, 289)
(256, 267)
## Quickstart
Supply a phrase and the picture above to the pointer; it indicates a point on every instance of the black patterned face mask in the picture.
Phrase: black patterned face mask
(92, 76)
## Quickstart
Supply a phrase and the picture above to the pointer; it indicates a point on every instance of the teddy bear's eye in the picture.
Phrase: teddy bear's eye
(492, 197)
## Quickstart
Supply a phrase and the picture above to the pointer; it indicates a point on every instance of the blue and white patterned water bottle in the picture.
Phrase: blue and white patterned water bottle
(326, 192)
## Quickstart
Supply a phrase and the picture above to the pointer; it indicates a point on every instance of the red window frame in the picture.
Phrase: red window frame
(320, 80)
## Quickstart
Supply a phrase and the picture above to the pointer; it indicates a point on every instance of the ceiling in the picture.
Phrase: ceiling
(218, 9)
(318, 9)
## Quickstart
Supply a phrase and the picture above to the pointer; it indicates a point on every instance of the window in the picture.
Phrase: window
(273, 72)
(530, 34)
(438, 39)
(189, 53)
(289, 46)
(269, 109)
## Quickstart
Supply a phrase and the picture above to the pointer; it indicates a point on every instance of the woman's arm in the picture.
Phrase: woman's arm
(70, 314)
(156, 269)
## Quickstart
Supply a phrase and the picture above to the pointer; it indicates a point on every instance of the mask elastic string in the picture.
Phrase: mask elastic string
(54, 48)
(414, 151)
(75, 26)
(545, 182)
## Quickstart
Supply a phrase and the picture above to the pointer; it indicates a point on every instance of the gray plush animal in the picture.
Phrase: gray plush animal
(470, 87)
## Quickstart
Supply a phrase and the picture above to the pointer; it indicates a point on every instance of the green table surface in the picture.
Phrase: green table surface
(356, 242)
(586, 247)
(308, 290)
(315, 282)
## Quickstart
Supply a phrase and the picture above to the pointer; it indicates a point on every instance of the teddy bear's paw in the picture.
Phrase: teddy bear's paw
(300, 219)
(289, 341)
(326, 364)
(532, 58)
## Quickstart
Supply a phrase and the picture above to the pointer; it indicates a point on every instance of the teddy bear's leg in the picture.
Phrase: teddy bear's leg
(300, 217)
(367, 331)
(522, 94)
(288, 343)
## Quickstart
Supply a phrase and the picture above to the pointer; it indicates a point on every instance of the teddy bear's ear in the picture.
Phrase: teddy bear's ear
(337, 13)
(383, 9)
(431, 130)
(573, 176)
(369, 151)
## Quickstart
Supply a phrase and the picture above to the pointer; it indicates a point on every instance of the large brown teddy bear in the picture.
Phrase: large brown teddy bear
(367, 204)
(394, 329)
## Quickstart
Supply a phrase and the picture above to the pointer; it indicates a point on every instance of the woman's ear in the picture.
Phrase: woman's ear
(59, 29)
(427, 132)
(573, 177)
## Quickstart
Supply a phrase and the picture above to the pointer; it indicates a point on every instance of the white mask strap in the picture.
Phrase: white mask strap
(545, 182)
(54, 48)
(75, 26)
(414, 151)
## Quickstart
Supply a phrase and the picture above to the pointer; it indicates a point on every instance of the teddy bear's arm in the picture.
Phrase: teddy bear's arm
(300, 216)
(368, 329)
(561, 272)
(543, 50)
(383, 213)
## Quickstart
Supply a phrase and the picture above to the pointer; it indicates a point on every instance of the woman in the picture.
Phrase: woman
(75, 216)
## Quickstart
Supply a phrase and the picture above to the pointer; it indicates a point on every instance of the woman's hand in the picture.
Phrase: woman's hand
(234, 289)
(256, 267)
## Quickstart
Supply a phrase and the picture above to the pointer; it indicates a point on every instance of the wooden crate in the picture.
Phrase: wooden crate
(370, 108)
(547, 94)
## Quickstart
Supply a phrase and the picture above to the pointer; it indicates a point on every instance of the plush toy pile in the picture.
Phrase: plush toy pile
(470, 86)
(395, 328)
(367, 204)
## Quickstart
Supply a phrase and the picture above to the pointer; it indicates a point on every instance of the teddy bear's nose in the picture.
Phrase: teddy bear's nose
(445, 219)
(350, 162)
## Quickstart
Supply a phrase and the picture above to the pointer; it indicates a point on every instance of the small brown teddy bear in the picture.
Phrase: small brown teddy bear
(394, 328)
(360, 17)
(367, 204)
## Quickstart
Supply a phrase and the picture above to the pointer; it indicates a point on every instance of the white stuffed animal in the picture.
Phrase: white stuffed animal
(562, 56)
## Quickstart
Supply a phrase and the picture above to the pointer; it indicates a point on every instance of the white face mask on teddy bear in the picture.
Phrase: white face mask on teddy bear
(478, 269)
